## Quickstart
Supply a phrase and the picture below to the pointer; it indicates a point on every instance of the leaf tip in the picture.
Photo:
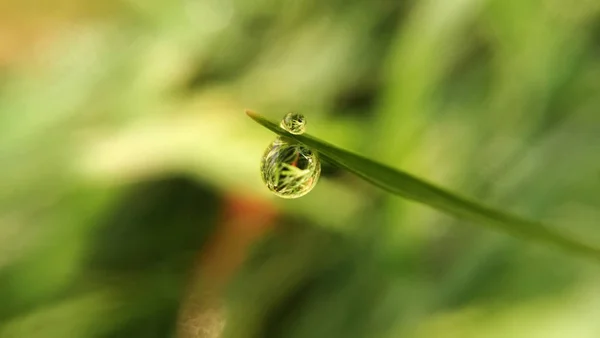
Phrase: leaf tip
(251, 113)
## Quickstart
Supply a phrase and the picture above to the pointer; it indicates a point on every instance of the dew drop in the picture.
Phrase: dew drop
(289, 169)
(294, 123)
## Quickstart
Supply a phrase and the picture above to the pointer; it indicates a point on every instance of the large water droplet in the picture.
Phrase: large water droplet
(289, 169)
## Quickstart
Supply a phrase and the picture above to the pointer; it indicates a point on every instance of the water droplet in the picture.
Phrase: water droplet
(294, 123)
(290, 169)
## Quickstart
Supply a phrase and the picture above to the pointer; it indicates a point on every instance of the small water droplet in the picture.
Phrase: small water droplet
(290, 169)
(294, 123)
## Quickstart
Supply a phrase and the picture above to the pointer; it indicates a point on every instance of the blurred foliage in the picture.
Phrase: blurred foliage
(122, 128)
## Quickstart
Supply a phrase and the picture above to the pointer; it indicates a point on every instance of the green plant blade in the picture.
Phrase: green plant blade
(413, 188)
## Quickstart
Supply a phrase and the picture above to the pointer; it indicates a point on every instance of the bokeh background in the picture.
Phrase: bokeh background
(131, 203)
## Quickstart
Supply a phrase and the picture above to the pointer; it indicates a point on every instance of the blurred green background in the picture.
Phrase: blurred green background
(130, 191)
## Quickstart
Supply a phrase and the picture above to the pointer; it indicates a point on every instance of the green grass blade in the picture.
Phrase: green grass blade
(413, 188)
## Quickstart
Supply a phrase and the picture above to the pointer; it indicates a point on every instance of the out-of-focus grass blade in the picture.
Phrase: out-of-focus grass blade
(413, 188)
